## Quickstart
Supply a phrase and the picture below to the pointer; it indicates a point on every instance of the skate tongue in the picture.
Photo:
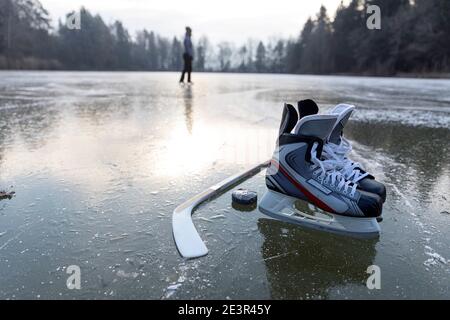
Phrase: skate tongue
(343, 112)
(342, 108)
(319, 126)
(289, 119)
(307, 108)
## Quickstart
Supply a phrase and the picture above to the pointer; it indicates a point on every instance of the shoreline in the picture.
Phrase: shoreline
(413, 75)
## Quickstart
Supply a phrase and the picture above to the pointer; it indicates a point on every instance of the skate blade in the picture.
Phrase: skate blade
(282, 207)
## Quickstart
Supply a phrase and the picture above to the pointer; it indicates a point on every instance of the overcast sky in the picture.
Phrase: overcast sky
(228, 20)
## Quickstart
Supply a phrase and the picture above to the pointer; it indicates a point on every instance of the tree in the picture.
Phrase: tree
(139, 53)
(243, 58)
(388, 8)
(260, 62)
(152, 51)
(251, 44)
(297, 53)
(163, 49)
(24, 26)
(347, 22)
(224, 56)
(279, 54)
(202, 54)
(430, 47)
(91, 47)
(122, 46)
(377, 52)
(176, 54)
(316, 50)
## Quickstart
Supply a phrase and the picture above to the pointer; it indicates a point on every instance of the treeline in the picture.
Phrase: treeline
(414, 38)
(24, 36)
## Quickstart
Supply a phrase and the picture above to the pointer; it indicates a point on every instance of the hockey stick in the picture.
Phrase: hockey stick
(187, 239)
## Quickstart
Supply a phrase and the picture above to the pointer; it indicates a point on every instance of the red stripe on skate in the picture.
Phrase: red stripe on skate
(316, 201)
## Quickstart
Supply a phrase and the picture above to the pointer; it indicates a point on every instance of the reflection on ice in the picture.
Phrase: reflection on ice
(312, 262)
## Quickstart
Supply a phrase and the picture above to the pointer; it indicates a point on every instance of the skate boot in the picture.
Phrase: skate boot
(338, 148)
(298, 171)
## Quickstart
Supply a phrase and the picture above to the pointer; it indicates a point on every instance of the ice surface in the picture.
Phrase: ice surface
(100, 160)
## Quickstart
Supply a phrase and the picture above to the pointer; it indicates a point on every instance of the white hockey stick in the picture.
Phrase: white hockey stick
(187, 239)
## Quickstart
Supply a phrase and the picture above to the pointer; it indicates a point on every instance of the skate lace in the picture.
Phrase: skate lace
(327, 173)
(339, 154)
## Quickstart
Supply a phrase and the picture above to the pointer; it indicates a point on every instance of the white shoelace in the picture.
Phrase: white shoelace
(327, 173)
(338, 153)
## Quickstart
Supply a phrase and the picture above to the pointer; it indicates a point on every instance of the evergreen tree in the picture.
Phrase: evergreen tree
(346, 23)
(163, 52)
(242, 58)
(91, 47)
(177, 54)
(302, 48)
(316, 40)
(153, 51)
(203, 48)
(24, 26)
(122, 46)
(139, 53)
(279, 55)
(260, 62)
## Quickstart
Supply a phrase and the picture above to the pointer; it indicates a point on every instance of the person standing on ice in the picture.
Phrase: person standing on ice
(188, 56)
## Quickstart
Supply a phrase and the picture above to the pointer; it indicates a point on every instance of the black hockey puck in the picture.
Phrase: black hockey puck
(244, 197)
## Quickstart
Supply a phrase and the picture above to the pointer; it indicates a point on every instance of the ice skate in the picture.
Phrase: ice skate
(337, 148)
(298, 172)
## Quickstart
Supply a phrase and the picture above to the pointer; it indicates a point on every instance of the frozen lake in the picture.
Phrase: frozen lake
(99, 161)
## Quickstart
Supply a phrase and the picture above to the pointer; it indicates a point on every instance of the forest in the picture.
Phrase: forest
(414, 38)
